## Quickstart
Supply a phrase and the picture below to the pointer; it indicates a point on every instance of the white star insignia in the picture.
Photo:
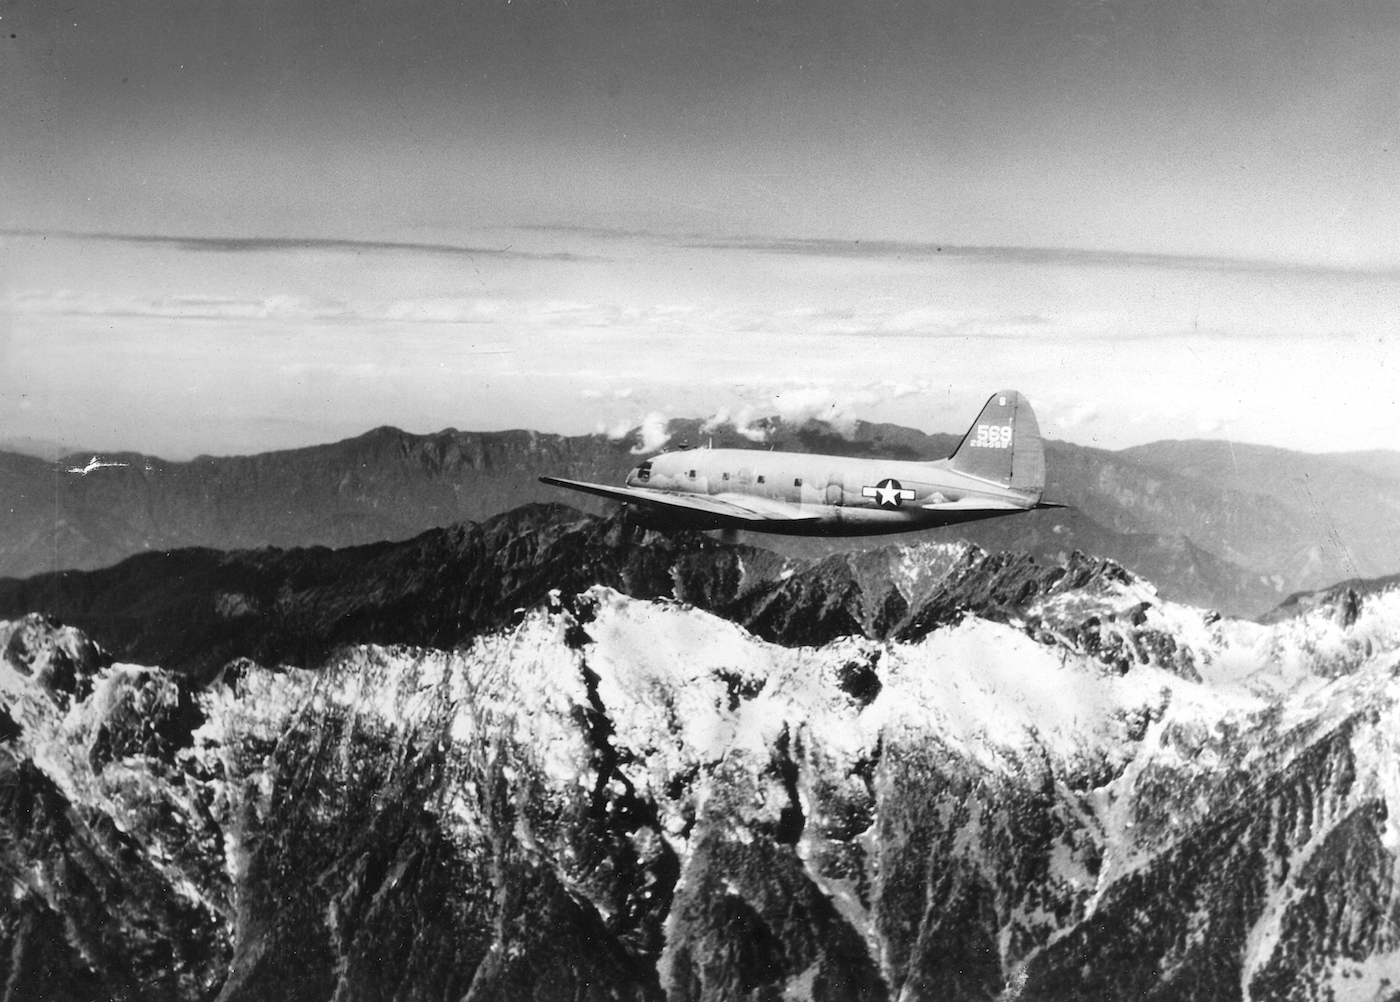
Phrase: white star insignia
(889, 493)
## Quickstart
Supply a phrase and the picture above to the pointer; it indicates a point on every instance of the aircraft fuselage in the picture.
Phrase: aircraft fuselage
(846, 495)
(997, 469)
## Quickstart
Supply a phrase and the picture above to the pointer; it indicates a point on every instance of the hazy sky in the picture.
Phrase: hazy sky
(1156, 219)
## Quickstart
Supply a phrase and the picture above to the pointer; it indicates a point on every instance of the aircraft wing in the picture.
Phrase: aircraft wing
(733, 506)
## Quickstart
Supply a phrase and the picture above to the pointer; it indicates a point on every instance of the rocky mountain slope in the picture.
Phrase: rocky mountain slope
(1349, 498)
(195, 610)
(1235, 543)
(922, 773)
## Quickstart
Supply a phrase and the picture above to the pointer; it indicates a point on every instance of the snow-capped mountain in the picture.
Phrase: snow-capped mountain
(999, 779)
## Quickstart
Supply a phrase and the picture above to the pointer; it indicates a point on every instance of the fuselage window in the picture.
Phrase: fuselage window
(760, 478)
(692, 474)
(726, 476)
(797, 482)
(644, 471)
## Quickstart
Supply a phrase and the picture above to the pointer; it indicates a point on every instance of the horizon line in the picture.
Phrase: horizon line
(855, 247)
(7, 445)
(256, 244)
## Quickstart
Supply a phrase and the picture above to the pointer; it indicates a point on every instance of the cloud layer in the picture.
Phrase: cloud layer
(128, 344)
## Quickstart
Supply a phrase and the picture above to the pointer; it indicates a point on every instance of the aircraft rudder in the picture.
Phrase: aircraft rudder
(1003, 445)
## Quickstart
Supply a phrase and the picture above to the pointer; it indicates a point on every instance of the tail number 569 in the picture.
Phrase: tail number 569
(992, 436)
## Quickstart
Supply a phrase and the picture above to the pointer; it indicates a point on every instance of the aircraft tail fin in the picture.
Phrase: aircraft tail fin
(1003, 445)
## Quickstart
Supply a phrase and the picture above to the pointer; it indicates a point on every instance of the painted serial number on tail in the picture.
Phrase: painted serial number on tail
(992, 436)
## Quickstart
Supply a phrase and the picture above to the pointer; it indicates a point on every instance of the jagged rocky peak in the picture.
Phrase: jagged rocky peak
(195, 610)
(625, 798)
(1343, 599)
(60, 658)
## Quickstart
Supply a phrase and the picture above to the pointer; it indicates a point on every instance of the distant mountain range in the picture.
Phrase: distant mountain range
(1236, 528)
(43, 448)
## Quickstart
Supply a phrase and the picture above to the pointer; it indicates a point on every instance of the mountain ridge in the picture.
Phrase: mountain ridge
(1201, 540)
(194, 610)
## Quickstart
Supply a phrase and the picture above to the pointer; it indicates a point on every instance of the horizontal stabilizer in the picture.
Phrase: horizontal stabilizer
(975, 504)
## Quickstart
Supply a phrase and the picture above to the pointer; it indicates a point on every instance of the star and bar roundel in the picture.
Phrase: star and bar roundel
(889, 493)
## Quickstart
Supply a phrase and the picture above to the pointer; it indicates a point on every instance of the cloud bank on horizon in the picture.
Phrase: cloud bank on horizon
(238, 227)
(156, 347)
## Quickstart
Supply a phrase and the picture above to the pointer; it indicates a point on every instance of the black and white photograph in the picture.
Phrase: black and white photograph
(700, 501)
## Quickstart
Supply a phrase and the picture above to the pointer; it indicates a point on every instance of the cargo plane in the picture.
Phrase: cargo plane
(997, 469)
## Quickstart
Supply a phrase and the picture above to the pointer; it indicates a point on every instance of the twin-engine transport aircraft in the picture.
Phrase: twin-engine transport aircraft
(997, 469)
